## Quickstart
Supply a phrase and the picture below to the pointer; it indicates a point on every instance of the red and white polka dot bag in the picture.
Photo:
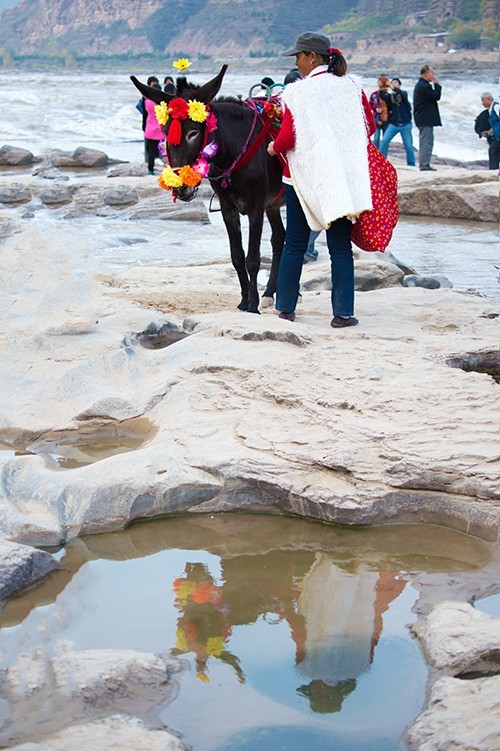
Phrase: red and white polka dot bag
(373, 229)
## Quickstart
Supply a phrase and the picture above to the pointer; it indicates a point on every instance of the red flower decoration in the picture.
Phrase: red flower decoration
(178, 109)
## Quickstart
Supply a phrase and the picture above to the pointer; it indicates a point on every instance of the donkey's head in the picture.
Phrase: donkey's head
(188, 121)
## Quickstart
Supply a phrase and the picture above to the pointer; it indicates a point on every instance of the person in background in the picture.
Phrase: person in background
(266, 88)
(168, 85)
(379, 109)
(291, 76)
(153, 132)
(483, 126)
(426, 95)
(324, 139)
(311, 253)
(399, 109)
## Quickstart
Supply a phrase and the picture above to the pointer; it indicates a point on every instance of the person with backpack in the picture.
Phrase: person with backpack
(379, 109)
(399, 109)
(487, 126)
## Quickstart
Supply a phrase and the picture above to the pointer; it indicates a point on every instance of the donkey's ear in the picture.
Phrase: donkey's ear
(156, 95)
(209, 90)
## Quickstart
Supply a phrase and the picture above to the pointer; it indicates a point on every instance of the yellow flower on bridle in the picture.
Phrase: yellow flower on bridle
(162, 113)
(181, 64)
(197, 111)
(169, 179)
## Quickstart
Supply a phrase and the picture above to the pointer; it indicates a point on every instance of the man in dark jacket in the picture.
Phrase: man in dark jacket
(426, 95)
(483, 128)
(399, 109)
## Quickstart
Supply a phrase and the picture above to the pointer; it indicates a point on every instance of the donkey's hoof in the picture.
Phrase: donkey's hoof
(254, 310)
(243, 305)
(266, 302)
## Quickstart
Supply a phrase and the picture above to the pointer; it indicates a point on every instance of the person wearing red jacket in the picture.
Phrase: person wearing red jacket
(326, 126)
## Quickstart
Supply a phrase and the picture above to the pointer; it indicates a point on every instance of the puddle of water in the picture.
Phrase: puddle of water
(478, 362)
(489, 605)
(76, 448)
(295, 632)
(162, 338)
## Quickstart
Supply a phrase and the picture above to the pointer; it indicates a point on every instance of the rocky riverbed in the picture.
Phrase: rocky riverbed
(59, 179)
(197, 408)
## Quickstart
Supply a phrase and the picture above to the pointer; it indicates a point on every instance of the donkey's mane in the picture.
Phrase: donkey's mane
(185, 89)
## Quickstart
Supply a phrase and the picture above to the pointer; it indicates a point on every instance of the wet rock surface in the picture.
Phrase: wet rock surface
(452, 191)
(15, 156)
(117, 732)
(462, 647)
(460, 641)
(21, 566)
(100, 699)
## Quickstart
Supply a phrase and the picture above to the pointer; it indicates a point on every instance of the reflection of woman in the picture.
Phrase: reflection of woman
(340, 627)
(343, 629)
(327, 183)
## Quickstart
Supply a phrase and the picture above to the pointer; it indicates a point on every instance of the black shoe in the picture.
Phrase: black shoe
(287, 316)
(428, 169)
(339, 323)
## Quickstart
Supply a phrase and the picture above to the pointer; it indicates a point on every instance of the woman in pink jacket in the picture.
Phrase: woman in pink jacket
(153, 133)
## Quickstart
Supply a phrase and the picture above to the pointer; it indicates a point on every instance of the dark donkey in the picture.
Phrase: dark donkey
(243, 187)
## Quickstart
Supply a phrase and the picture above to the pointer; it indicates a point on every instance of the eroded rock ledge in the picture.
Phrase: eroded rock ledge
(462, 647)
(393, 421)
(385, 431)
(86, 180)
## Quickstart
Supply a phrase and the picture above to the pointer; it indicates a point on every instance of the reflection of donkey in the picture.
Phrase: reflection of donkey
(242, 187)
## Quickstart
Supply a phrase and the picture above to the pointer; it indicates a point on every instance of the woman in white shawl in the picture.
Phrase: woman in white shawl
(324, 138)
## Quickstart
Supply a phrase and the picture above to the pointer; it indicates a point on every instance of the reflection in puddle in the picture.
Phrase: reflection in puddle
(295, 632)
(76, 448)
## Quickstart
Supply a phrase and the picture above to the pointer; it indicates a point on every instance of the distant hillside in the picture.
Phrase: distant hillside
(216, 28)
(208, 27)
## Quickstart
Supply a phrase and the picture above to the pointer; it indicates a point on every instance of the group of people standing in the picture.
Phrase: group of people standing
(393, 114)
(153, 132)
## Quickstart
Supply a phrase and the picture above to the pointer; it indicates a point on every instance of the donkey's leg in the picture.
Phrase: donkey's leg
(277, 241)
(231, 219)
(255, 223)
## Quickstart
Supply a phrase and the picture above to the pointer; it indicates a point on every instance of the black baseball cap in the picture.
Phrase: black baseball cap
(309, 41)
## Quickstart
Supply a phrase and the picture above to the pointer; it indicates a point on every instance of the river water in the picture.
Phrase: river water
(65, 110)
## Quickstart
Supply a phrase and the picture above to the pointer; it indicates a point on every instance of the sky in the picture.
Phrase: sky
(7, 4)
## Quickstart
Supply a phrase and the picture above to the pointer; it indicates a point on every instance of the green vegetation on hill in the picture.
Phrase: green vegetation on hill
(240, 26)
(470, 23)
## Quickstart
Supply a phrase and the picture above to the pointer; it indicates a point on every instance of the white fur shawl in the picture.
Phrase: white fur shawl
(329, 163)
